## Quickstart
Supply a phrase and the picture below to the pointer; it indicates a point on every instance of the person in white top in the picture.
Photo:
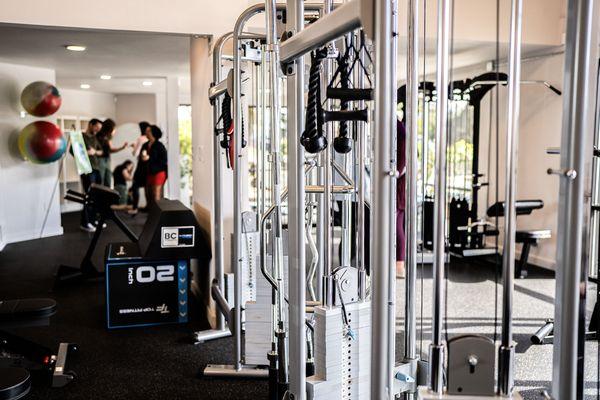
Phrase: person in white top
(139, 142)
(140, 174)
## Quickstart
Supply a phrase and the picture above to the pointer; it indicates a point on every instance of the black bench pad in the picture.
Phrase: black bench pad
(26, 309)
(533, 235)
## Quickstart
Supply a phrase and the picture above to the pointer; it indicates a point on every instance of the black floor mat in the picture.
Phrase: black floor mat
(147, 363)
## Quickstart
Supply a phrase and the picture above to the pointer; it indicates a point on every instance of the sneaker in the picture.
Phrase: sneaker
(87, 227)
(96, 224)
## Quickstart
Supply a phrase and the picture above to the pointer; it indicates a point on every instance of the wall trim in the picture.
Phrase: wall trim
(32, 235)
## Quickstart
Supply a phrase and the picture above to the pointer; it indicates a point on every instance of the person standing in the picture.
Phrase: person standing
(155, 153)
(141, 169)
(400, 200)
(105, 136)
(94, 151)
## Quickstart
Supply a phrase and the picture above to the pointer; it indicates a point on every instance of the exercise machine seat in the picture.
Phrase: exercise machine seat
(15, 383)
(522, 207)
(527, 238)
(532, 236)
(19, 310)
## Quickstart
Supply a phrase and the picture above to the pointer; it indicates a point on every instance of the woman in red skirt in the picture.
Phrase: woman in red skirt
(155, 154)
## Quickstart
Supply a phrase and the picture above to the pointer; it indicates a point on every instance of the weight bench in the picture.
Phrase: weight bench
(527, 238)
(18, 355)
(101, 199)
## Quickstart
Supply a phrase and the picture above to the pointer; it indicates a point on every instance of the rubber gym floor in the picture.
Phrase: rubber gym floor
(161, 363)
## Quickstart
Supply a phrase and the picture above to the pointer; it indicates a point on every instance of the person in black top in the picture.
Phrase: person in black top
(123, 173)
(105, 137)
(155, 154)
(141, 170)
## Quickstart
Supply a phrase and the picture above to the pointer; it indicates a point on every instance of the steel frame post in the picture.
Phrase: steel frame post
(571, 275)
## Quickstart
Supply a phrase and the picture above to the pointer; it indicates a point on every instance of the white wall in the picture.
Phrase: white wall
(26, 190)
(85, 103)
(475, 21)
(540, 128)
(130, 110)
(172, 138)
(135, 108)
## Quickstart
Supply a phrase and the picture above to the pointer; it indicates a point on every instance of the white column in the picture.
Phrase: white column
(172, 105)
(202, 148)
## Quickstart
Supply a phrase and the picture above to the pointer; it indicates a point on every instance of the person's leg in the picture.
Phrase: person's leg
(122, 189)
(148, 194)
(107, 178)
(85, 212)
(400, 244)
(135, 194)
(156, 193)
(97, 179)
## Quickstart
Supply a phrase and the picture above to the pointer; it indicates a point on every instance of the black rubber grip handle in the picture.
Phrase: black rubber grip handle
(347, 115)
(348, 94)
(75, 194)
(75, 199)
(554, 89)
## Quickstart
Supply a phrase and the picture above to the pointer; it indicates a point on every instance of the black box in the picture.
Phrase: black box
(144, 292)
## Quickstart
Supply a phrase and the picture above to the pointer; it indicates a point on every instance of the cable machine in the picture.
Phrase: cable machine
(341, 343)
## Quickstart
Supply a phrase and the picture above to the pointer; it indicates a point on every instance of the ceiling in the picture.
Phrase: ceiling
(129, 57)
(133, 57)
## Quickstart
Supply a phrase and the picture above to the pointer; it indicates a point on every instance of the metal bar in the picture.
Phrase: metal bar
(346, 205)
(211, 334)
(437, 347)
(346, 221)
(333, 189)
(296, 199)
(237, 182)
(361, 138)
(412, 132)
(581, 52)
(383, 178)
(324, 201)
(221, 302)
(393, 156)
(260, 117)
(275, 145)
(327, 279)
(237, 207)
(595, 192)
(343, 174)
(506, 351)
(218, 89)
(218, 180)
(343, 19)
(228, 371)
(245, 59)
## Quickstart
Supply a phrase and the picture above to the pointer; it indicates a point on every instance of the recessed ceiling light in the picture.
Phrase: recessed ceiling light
(105, 77)
(147, 83)
(73, 47)
(84, 86)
